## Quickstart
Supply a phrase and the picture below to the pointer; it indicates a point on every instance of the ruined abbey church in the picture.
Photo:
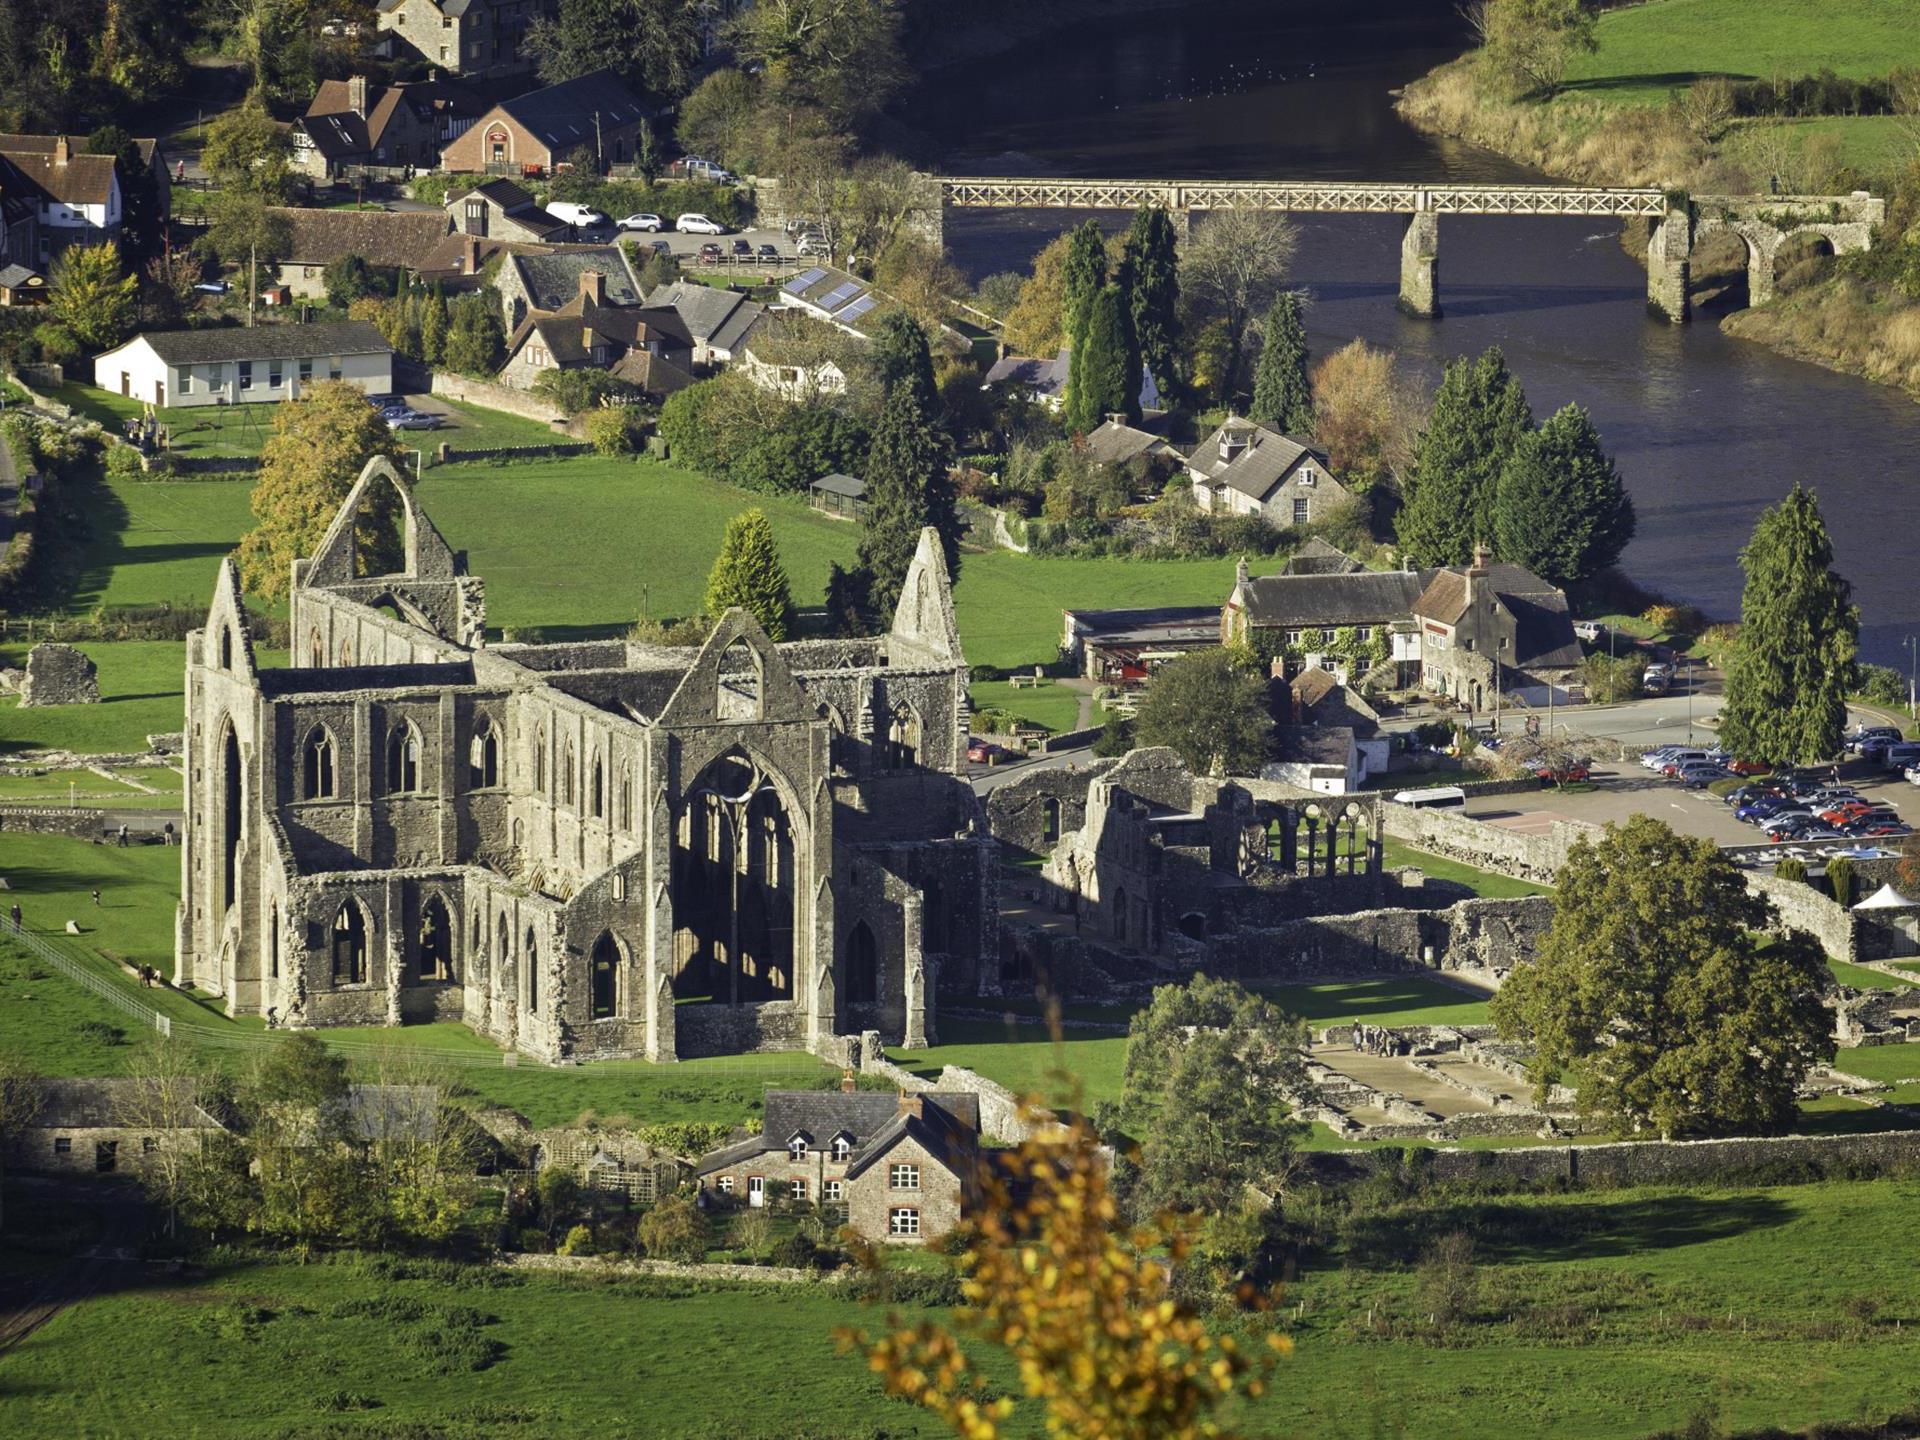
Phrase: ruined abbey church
(580, 850)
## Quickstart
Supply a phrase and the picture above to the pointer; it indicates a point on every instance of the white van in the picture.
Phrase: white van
(1440, 797)
(578, 215)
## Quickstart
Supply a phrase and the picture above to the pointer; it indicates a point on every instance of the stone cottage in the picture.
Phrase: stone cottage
(108, 1127)
(579, 850)
(1247, 468)
(906, 1167)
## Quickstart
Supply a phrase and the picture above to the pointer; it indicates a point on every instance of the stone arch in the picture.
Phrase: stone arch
(604, 963)
(348, 948)
(735, 883)
(1193, 925)
(436, 960)
(903, 736)
(1797, 256)
(232, 813)
(403, 760)
(862, 985)
(316, 649)
(319, 765)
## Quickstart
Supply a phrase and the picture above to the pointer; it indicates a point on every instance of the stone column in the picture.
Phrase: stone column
(929, 220)
(913, 971)
(1420, 264)
(1761, 251)
(1669, 266)
(658, 964)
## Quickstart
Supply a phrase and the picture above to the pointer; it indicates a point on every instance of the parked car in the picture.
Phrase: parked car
(743, 248)
(211, 287)
(985, 752)
(811, 246)
(384, 403)
(641, 221)
(1873, 747)
(581, 217)
(1591, 631)
(1571, 774)
(709, 254)
(1860, 734)
(694, 224)
(1913, 774)
(701, 169)
(414, 420)
(1701, 778)
(660, 247)
(1654, 759)
(1761, 811)
(767, 250)
(1899, 757)
(1749, 767)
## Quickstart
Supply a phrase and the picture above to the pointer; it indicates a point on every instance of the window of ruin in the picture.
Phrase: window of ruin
(532, 955)
(436, 941)
(273, 942)
(626, 797)
(539, 759)
(1049, 819)
(863, 966)
(317, 649)
(349, 946)
(597, 796)
(739, 693)
(346, 650)
(903, 738)
(403, 760)
(567, 795)
(605, 970)
(232, 784)
(483, 757)
(226, 647)
(380, 530)
(106, 1155)
(316, 770)
(503, 943)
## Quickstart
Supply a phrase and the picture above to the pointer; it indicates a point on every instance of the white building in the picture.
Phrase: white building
(235, 365)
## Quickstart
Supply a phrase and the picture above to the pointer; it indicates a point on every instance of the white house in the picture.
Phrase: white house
(235, 365)
(74, 198)
(1246, 468)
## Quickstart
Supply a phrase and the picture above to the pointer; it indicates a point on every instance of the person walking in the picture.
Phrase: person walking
(13, 914)
(96, 895)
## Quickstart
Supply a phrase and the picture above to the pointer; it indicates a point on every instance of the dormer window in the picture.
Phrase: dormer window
(842, 1149)
(797, 1148)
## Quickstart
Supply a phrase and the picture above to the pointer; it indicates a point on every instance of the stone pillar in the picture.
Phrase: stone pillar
(1760, 256)
(913, 971)
(1669, 266)
(1420, 265)
(929, 220)
(658, 965)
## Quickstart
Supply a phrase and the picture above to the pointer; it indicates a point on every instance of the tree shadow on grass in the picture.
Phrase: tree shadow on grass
(1665, 79)
(1515, 1232)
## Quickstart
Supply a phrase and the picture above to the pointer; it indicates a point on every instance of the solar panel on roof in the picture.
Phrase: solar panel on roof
(840, 294)
(856, 309)
(804, 279)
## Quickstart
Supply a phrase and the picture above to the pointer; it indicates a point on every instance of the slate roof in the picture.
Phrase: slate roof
(717, 318)
(1115, 443)
(504, 193)
(98, 1104)
(562, 116)
(332, 123)
(1543, 625)
(265, 342)
(1312, 744)
(81, 179)
(553, 280)
(380, 237)
(946, 1125)
(1365, 597)
(1042, 377)
(838, 484)
(43, 145)
(653, 373)
(13, 276)
(1318, 557)
(1267, 459)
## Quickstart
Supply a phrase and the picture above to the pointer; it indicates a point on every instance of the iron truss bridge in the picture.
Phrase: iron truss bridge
(1332, 197)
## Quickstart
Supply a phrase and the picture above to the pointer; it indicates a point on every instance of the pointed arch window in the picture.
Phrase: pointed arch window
(863, 966)
(226, 647)
(403, 760)
(597, 797)
(436, 941)
(606, 977)
(317, 649)
(626, 797)
(317, 765)
(483, 757)
(903, 738)
(540, 758)
(532, 955)
(349, 946)
(566, 795)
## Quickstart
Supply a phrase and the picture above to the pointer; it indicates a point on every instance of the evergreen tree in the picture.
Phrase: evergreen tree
(1084, 276)
(1479, 416)
(1102, 364)
(434, 323)
(908, 486)
(475, 336)
(1281, 394)
(1787, 686)
(1559, 506)
(1152, 264)
(747, 572)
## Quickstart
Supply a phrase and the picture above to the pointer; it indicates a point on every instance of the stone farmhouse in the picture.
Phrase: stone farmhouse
(1302, 611)
(104, 1127)
(474, 38)
(1246, 468)
(543, 282)
(501, 210)
(644, 346)
(593, 120)
(350, 126)
(235, 365)
(390, 239)
(579, 850)
(905, 1168)
(718, 321)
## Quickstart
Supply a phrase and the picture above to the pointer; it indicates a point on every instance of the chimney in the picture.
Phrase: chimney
(1116, 417)
(593, 285)
(61, 151)
(357, 94)
(847, 1083)
(470, 256)
(912, 1105)
(1482, 558)
(1240, 572)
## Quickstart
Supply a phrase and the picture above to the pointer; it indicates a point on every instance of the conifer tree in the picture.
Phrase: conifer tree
(434, 326)
(1479, 415)
(747, 572)
(1799, 631)
(1560, 508)
(908, 486)
(1102, 365)
(1152, 264)
(1085, 274)
(1281, 394)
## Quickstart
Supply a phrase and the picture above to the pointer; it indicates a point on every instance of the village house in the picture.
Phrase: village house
(55, 197)
(803, 361)
(500, 210)
(1328, 738)
(592, 121)
(904, 1167)
(528, 281)
(351, 126)
(1303, 612)
(645, 347)
(1115, 442)
(1246, 468)
(1490, 630)
(832, 296)
(108, 1127)
(236, 365)
(456, 261)
(718, 321)
(474, 38)
(403, 240)
(1044, 382)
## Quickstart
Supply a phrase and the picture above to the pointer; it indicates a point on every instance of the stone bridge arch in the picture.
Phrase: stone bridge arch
(1764, 225)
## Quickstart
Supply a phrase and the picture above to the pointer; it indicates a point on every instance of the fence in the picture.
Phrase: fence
(80, 975)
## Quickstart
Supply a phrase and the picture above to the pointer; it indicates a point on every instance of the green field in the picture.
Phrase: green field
(1861, 978)
(1051, 706)
(1487, 884)
(1592, 1316)
(1647, 51)
(140, 695)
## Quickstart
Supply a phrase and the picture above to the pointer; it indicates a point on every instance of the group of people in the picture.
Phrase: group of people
(1378, 1040)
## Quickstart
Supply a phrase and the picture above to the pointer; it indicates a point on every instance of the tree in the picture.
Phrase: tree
(350, 278)
(476, 338)
(1103, 363)
(1658, 995)
(720, 118)
(22, 1091)
(435, 321)
(841, 58)
(1799, 631)
(248, 150)
(1208, 1067)
(908, 486)
(1233, 268)
(242, 228)
(139, 193)
(1150, 260)
(1560, 508)
(1210, 708)
(1034, 325)
(674, 1229)
(170, 279)
(652, 43)
(169, 1079)
(91, 296)
(920, 277)
(1532, 41)
(1083, 275)
(1479, 416)
(1281, 395)
(319, 445)
(299, 1127)
(748, 573)
(1362, 414)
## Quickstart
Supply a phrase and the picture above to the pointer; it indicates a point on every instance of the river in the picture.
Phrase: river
(1707, 430)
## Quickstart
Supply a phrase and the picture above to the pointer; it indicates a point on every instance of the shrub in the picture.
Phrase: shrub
(1790, 870)
(674, 1229)
(1840, 880)
(123, 462)
(796, 1252)
(614, 430)
(1609, 679)
(101, 1032)
(1675, 619)
(1880, 684)
(578, 391)
(579, 1241)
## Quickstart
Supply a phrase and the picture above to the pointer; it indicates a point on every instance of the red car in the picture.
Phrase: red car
(1572, 775)
(1749, 767)
(1846, 810)
(985, 752)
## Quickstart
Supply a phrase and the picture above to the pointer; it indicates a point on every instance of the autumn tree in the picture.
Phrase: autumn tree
(91, 296)
(1659, 994)
(243, 228)
(747, 573)
(1281, 394)
(1799, 632)
(719, 119)
(168, 1082)
(1560, 507)
(675, 1229)
(1363, 415)
(319, 445)
(839, 59)
(1034, 325)
(1479, 417)
(299, 1129)
(248, 150)
(1231, 270)
(652, 43)
(1532, 42)
(1210, 708)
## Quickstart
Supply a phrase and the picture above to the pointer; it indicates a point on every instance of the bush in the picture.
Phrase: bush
(674, 1229)
(101, 1032)
(615, 430)
(1608, 679)
(123, 463)
(1880, 684)
(1790, 870)
(579, 391)
(1840, 880)
(579, 1241)
(1675, 619)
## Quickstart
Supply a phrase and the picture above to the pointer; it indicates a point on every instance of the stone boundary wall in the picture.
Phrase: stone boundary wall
(1000, 1117)
(79, 824)
(606, 1265)
(1805, 908)
(451, 455)
(1646, 1162)
(56, 408)
(1071, 739)
(524, 403)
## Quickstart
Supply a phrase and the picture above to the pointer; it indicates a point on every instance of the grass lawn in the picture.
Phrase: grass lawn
(158, 542)
(1051, 705)
(140, 695)
(1394, 1000)
(1861, 978)
(1598, 1316)
(1025, 1059)
(1485, 883)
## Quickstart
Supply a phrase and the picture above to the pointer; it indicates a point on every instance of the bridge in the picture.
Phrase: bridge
(1764, 222)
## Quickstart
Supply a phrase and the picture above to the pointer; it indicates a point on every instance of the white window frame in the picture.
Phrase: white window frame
(903, 1177)
(185, 387)
(243, 371)
(831, 1192)
(842, 1149)
(724, 1184)
(903, 1222)
(797, 1148)
(799, 1189)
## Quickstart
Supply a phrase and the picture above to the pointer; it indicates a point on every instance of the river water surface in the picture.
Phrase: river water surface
(1706, 429)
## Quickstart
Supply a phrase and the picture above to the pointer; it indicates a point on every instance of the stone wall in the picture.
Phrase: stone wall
(1805, 908)
(607, 1265)
(46, 820)
(1000, 1111)
(1032, 813)
(526, 403)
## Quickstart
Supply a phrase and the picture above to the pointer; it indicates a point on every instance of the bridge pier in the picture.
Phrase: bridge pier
(1669, 266)
(1420, 266)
